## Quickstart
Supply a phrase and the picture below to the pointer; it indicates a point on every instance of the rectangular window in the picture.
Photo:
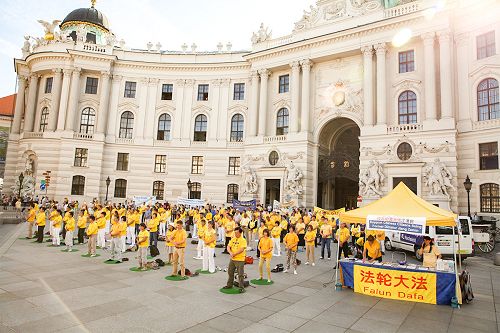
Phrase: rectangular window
(130, 88)
(203, 92)
(197, 165)
(239, 92)
(406, 61)
(81, 155)
(48, 85)
(488, 156)
(166, 92)
(160, 163)
(91, 86)
(122, 162)
(284, 85)
(485, 45)
(234, 166)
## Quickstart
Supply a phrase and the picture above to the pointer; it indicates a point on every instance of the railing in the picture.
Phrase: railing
(235, 144)
(198, 143)
(162, 142)
(83, 136)
(124, 141)
(402, 9)
(410, 128)
(31, 135)
(94, 48)
(486, 124)
(273, 139)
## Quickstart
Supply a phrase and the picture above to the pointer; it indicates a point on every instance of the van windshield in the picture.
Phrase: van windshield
(448, 231)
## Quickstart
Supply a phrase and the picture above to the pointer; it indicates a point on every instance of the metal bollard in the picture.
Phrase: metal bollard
(497, 259)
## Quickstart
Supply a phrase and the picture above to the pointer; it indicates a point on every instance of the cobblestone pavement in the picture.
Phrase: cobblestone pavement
(45, 290)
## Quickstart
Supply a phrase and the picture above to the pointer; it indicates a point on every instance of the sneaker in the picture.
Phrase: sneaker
(268, 281)
(312, 264)
(294, 272)
(93, 255)
(227, 287)
(321, 257)
(307, 263)
(242, 290)
(285, 271)
(329, 258)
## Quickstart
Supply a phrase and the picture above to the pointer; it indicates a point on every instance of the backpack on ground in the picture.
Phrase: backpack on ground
(278, 268)
(153, 250)
(249, 260)
(160, 262)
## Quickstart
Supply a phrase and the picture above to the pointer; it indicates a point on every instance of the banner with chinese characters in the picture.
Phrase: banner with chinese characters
(395, 284)
(329, 214)
(409, 225)
(244, 205)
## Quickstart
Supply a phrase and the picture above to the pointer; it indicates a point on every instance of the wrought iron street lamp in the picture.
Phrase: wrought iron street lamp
(468, 187)
(108, 181)
(21, 180)
(189, 184)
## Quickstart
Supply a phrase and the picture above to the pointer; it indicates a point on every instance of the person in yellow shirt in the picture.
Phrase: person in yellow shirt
(355, 231)
(92, 231)
(123, 233)
(70, 229)
(381, 240)
(101, 233)
(342, 235)
(153, 229)
(209, 239)
(315, 226)
(81, 224)
(291, 241)
(237, 250)
(276, 234)
(229, 226)
(430, 253)
(30, 219)
(142, 243)
(178, 238)
(326, 237)
(53, 213)
(57, 222)
(266, 253)
(40, 222)
(371, 250)
(116, 242)
(168, 243)
(310, 238)
(300, 226)
(200, 231)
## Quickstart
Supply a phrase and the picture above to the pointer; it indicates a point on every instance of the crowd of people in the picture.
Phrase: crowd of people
(121, 227)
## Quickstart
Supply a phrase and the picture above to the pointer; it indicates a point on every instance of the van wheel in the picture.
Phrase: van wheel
(418, 256)
(388, 245)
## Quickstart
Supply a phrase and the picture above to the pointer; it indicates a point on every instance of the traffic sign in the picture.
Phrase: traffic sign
(42, 187)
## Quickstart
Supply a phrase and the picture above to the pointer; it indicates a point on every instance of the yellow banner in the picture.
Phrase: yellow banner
(395, 284)
(329, 214)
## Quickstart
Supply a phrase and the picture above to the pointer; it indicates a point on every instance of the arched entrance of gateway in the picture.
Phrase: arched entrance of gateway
(338, 164)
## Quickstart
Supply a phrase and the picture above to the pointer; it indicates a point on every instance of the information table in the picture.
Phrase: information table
(401, 282)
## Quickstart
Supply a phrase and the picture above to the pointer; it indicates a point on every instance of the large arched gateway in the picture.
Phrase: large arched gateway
(338, 164)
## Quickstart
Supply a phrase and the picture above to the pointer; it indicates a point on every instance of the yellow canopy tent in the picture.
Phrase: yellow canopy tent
(402, 202)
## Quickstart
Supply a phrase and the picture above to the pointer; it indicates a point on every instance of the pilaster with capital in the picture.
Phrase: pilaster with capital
(63, 104)
(186, 110)
(306, 65)
(56, 97)
(113, 107)
(381, 50)
(463, 42)
(141, 114)
(264, 77)
(73, 100)
(29, 116)
(430, 76)
(103, 112)
(18, 112)
(446, 74)
(294, 112)
(213, 118)
(179, 102)
(151, 121)
(253, 114)
(368, 84)
(223, 117)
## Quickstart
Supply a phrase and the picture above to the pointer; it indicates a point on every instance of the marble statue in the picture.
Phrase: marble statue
(371, 179)
(26, 46)
(49, 28)
(438, 178)
(250, 180)
(294, 179)
(81, 34)
(110, 39)
(262, 35)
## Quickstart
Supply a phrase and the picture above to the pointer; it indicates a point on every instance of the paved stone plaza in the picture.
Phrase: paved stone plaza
(45, 290)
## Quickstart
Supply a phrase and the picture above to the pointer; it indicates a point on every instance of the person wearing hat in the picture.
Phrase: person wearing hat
(371, 250)
(430, 252)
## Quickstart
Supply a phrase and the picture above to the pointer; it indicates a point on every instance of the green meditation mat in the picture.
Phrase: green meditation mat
(204, 272)
(52, 245)
(88, 255)
(231, 291)
(261, 282)
(137, 269)
(112, 262)
(72, 250)
(176, 278)
(24, 238)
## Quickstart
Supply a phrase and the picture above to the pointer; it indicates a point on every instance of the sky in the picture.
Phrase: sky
(170, 22)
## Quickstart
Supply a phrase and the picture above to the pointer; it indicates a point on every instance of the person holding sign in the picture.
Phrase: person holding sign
(371, 250)
(430, 253)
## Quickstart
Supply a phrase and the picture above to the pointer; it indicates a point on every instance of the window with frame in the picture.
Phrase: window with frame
(406, 61)
(91, 86)
(44, 119)
(167, 92)
(120, 188)
(282, 122)
(239, 92)
(126, 125)
(160, 163)
(234, 166)
(273, 158)
(237, 126)
(284, 84)
(407, 108)
(488, 156)
(195, 190)
(122, 162)
(158, 189)
(485, 45)
(81, 156)
(130, 89)
(87, 121)
(404, 151)
(78, 185)
(203, 92)
(232, 192)
(48, 85)
(197, 165)
(490, 198)
(164, 127)
(200, 128)
(488, 100)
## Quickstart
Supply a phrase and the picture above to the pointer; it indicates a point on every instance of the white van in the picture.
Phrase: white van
(442, 237)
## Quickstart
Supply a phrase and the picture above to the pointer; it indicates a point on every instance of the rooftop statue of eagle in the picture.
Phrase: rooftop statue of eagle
(49, 28)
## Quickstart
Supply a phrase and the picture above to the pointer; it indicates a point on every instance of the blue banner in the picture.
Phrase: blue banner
(244, 205)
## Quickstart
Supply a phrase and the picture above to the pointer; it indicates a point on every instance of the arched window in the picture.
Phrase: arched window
(232, 192)
(78, 185)
(87, 121)
(158, 189)
(200, 128)
(120, 188)
(490, 198)
(164, 127)
(44, 119)
(195, 190)
(282, 122)
(126, 125)
(237, 125)
(488, 103)
(407, 108)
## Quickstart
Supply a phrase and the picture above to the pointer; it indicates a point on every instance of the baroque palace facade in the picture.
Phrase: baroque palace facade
(334, 110)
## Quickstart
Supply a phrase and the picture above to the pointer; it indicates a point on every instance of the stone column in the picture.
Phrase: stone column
(446, 76)
(214, 103)
(29, 115)
(306, 95)
(56, 97)
(187, 129)
(381, 50)
(113, 107)
(151, 120)
(73, 100)
(264, 76)
(179, 102)
(430, 76)
(463, 43)
(253, 114)
(63, 104)
(294, 112)
(18, 113)
(368, 84)
(103, 113)
(223, 119)
(140, 116)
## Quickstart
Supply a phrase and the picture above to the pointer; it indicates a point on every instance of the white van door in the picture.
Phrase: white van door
(444, 238)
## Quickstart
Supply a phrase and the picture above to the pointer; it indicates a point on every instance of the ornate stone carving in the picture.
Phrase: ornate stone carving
(295, 66)
(264, 73)
(340, 98)
(438, 178)
(49, 28)
(306, 64)
(26, 49)
(249, 180)
(190, 82)
(367, 51)
(262, 35)
(380, 49)
(371, 179)
(294, 179)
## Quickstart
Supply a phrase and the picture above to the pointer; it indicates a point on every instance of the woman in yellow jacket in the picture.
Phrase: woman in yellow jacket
(266, 253)
(70, 229)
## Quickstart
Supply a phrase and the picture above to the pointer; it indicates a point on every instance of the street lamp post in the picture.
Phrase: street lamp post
(468, 187)
(189, 184)
(108, 181)
(21, 179)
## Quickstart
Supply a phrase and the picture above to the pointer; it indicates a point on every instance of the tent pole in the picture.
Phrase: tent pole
(337, 263)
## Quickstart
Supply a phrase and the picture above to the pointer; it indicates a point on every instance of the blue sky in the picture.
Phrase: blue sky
(171, 22)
